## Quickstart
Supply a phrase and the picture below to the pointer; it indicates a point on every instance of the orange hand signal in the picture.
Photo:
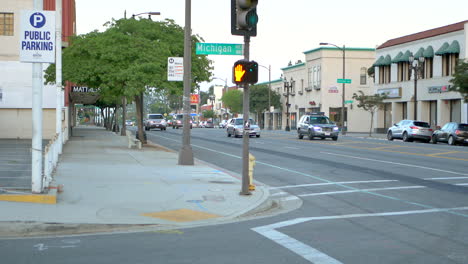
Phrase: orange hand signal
(239, 72)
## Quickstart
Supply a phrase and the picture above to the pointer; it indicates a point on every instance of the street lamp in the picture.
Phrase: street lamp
(269, 93)
(343, 49)
(416, 66)
(287, 87)
(147, 13)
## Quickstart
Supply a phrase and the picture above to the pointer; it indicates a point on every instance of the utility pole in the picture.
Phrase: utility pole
(58, 73)
(246, 135)
(186, 153)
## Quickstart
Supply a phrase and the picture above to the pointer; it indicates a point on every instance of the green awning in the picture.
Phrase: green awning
(419, 53)
(397, 57)
(429, 52)
(441, 50)
(378, 62)
(454, 48)
(387, 61)
(405, 57)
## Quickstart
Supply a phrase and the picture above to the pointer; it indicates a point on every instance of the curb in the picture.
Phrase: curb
(49, 198)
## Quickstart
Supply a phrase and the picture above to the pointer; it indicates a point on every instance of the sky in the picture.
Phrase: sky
(286, 29)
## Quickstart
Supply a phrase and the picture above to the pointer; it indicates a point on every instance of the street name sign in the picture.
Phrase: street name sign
(348, 101)
(343, 80)
(37, 36)
(175, 69)
(219, 49)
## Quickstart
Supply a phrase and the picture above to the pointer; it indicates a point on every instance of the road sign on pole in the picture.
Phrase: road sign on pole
(343, 80)
(175, 69)
(219, 49)
(37, 36)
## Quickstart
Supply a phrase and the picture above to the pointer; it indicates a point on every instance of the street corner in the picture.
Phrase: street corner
(26, 197)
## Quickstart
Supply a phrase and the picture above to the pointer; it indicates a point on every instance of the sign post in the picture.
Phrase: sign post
(37, 45)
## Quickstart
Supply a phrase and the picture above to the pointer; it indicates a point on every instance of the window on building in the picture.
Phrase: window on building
(403, 72)
(6, 24)
(384, 74)
(363, 76)
(449, 61)
(311, 78)
(428, 68)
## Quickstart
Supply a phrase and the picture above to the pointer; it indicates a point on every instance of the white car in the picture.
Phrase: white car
(223, 124)
(235, 127)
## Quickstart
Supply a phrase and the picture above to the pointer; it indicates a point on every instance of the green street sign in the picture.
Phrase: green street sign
(219, 49)
(343, 80)
(348, 101)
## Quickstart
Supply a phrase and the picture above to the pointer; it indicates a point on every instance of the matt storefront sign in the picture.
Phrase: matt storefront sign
(37, 36)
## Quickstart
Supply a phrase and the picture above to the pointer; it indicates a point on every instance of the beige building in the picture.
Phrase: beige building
(315, 87)
(435, 53)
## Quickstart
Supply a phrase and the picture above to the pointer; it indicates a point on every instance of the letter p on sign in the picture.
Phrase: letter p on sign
(37, 20)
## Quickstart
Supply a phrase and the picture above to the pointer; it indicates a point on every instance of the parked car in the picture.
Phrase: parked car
(317, 125)
(408, 130)
(223, 124)
(452, 133)
(178, 121)
(235, 127)
(155, 121)
(202, 124)
(194, 124)
(209, 124)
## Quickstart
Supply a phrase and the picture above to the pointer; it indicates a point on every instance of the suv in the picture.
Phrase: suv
(409, 130)
(317, 125)
(155, 121)
(178, 121)
(452, 133)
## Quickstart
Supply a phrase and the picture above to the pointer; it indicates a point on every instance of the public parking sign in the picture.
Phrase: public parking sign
(37, 36)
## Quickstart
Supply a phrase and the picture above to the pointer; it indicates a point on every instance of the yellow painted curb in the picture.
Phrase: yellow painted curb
(29, 198)
(181, 215)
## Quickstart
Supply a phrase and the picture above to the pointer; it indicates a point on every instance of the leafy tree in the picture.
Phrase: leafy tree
(232, 99)
(371, 72)
(460, 79)
(259, 99)
(370, 103)
(129, 57)
(208, 114)
(204, 97)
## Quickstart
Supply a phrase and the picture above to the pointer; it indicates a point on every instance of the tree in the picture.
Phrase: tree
(259, 99)
(232, 99)
(371, 72)
(370, 103)
(129, 57)
(460, 79)
(208, 114)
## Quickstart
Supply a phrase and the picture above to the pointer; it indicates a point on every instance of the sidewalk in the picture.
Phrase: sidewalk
(107, 183)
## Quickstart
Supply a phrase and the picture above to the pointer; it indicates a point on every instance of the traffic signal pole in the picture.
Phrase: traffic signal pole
(246, 133)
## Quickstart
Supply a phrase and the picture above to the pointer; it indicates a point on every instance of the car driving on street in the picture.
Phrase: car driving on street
(155, 121)
(178, 121)
(235, 128)
(317, 125)
(409, 130)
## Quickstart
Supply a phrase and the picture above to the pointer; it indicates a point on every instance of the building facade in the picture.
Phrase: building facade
(434, 54)
(314, 87)
(16, 77)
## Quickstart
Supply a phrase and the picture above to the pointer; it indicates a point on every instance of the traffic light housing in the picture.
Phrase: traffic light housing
(244, 17)
(245, 72)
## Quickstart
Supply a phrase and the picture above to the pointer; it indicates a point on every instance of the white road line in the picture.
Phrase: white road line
(279, 194)
(462, 184)
(446, 178)
(362, 190)
(309, 253)
(396, 163)
(292, 148)
(289, 198)
(315, 256)
(329, 183)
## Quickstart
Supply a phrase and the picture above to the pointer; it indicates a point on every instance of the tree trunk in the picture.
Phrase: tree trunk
(112, 127)
(139, 119)
(124, 116)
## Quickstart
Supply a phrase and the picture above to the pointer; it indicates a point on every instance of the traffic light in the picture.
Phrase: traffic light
(244, 17)
(245, 72)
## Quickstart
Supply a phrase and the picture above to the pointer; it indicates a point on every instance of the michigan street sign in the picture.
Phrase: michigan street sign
(343, 80)
(37, 36)
(219, 49)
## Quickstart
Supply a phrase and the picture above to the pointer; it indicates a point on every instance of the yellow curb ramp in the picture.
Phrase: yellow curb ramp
(49, 198)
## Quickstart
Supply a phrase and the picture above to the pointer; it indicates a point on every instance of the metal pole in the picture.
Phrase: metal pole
(269, 97)
(246, 134)
(287, 85)
(36, 170)
(415, 92)
(58, 72)
(185, 153)
(343, 98)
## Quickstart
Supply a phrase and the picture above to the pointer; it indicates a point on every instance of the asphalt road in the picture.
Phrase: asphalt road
(364, 201)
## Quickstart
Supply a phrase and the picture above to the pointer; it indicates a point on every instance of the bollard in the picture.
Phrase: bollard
(251, 166)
